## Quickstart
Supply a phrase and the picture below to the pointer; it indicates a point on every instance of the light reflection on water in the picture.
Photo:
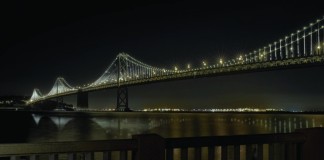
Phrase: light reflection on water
(112, 125)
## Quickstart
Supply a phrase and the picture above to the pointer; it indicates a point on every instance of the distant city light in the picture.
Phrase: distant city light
(240, 57)
(211, 110)
(204, 63)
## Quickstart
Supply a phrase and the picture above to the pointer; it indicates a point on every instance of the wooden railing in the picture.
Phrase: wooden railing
(71, 150)
(238, 147)
(301, 145)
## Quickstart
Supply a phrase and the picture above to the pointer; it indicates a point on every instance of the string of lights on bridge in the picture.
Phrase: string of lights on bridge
(305, 45)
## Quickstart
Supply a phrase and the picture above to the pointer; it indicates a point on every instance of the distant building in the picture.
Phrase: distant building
(13, 101)
(19, 102)
(50, 105)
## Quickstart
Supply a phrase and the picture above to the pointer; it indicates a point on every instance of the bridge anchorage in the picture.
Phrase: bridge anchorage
(304, 47)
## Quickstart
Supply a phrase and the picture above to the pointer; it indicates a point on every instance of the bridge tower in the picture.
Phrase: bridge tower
(122, 99)
(122, 91)
(59, 99)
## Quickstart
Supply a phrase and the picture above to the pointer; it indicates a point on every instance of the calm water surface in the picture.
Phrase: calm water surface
(76, 126)
(17, 127)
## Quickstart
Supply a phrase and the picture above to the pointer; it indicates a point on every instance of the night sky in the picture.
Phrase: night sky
(40, 41)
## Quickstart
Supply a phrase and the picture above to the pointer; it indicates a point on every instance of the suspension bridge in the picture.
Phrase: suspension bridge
(304, 47)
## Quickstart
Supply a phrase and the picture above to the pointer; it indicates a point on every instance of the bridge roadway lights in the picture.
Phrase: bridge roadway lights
(122, 99)
(82, 99)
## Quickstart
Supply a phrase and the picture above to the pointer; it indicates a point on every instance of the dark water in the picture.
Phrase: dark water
(19, 126)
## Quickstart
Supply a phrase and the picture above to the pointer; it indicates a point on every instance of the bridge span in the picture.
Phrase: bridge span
(302, 48)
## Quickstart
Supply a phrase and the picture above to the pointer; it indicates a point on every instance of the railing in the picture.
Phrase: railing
(238, 147)
(71, 150)
(301, 145)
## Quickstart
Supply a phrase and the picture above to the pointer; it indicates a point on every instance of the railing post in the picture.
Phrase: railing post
(53, 157)
(14, 157)
(89, 156)
(314, 143)
(169, 153)
(34, 157)
(72, 156)
(107, 155)
(260, 152)
(249, 151)
(271, 151)
(198, 153)
(211, 152)
(150, 147)
(184, 153)
(123, 155)
(224, 152)
(236, 152)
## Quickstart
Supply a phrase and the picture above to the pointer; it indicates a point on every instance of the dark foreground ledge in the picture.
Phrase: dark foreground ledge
(303, 144)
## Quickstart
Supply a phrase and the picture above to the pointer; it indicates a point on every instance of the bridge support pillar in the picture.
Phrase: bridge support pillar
(122, 99)
(82, 100)
(59, 101)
